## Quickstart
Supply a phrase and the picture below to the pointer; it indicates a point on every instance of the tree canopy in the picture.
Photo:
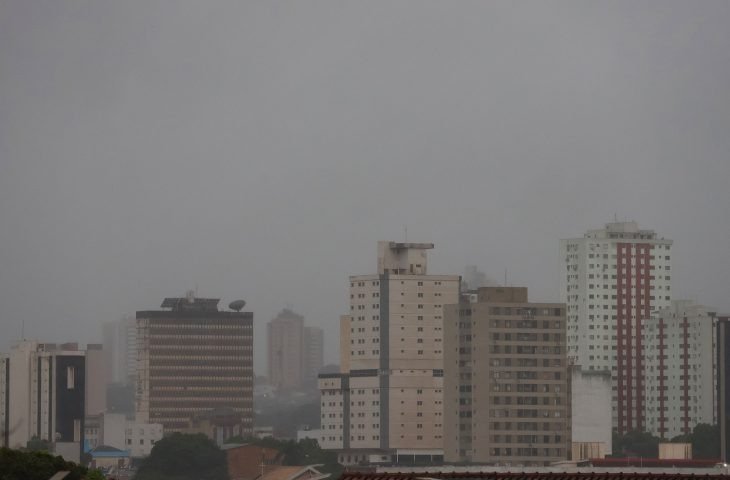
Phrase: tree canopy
(36, 465)
(184, 457)
(705, 440)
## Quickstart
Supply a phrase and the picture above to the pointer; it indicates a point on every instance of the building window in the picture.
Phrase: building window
(70, 378)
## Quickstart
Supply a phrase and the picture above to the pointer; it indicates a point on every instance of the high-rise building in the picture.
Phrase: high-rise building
(296, 352)
(506, 380)
(286, 350)
(679, 369)
(313, 352)
(44, 397)
(192, 359)
(722, 342)
(120, 350)
(386, 404)
(612, 279)
(96, 379)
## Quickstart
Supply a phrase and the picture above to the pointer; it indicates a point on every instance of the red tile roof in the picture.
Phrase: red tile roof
(528, 476)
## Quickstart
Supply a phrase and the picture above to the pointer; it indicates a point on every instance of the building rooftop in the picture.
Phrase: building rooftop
(528, 476)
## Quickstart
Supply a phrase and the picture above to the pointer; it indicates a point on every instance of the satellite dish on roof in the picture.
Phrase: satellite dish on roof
(237, 305)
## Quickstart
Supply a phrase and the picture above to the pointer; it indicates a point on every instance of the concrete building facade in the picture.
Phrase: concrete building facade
(193, 358)
(591, 423)
(679, 353)
(612, 279)
(313, 352)
(96, 379)
(296, 352)
(506, 380)
(387, 402)
(286, 350)
(44, 396)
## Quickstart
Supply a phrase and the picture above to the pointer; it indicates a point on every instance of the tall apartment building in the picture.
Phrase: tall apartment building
(295, 351)
(611, 280)
(192, 359)
(96, 379)
(386, 404)
(313, 352)
(506, 380)
(722, 342)
(679, 364)
(120, 350)
(44, 396)
(286, 349)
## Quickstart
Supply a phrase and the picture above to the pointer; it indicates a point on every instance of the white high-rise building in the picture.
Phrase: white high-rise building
(679, 363)
(387, 402)
(611, 279)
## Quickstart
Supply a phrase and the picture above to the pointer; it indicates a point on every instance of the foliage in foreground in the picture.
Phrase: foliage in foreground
(184, 457)
(37, 465)
(705, 440)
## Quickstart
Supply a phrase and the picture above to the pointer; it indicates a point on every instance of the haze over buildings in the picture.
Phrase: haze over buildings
(255, 148)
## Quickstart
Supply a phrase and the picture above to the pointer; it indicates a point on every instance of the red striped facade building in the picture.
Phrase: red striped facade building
(611, 281)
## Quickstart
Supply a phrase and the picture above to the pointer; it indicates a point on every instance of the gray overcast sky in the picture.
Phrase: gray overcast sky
(259, 149)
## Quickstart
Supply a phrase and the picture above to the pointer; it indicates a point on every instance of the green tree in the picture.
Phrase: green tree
(635, 444)
(184, 457)
(35, 444)
(705, 440)
(36, 465)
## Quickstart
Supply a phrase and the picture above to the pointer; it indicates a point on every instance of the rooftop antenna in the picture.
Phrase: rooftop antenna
(405, 233)
(22, 330)
(505, 277)
(615, 217)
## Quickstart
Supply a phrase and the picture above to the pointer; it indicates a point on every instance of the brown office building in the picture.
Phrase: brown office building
(506, 382)
(193, 358)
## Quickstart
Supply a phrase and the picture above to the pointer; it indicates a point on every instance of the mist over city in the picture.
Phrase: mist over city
(261, 150)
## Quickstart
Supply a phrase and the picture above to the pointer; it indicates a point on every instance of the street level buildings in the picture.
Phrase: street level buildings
(506, 380)
(611, 280)
(679, 352)
(386, 404)
(193, 358)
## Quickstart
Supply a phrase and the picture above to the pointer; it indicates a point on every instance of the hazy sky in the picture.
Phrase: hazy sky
(259, 149)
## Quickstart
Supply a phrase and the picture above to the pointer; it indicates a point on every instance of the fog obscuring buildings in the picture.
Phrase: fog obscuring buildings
(120, 350)
(295, 353)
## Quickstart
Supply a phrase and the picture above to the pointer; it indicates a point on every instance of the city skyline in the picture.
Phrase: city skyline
(251, 148)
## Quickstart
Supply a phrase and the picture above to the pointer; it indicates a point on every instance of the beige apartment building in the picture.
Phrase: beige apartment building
(296, 352)
(386, 403)
(506, 380)
(193, 359)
